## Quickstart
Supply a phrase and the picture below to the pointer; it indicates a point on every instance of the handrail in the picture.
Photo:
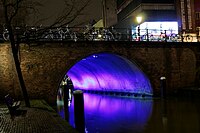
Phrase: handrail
(97, 34)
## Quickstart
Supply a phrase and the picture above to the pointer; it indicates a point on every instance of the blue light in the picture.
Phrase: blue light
(109, 72)
(108, 114)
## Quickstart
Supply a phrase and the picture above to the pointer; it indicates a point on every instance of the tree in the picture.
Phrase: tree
(14, 12)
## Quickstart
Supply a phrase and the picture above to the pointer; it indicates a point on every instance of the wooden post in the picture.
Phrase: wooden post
(79, 116)
(163, 87)
(164, 103)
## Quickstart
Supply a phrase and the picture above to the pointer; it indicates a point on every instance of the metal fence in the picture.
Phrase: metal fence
(97, 34)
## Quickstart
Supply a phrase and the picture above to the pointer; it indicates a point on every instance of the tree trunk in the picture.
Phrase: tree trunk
(15, 48)
(17, 66)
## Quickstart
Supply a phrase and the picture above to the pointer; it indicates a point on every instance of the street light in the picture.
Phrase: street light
(139, 20)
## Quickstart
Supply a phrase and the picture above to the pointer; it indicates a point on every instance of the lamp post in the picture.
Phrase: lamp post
(139, 20)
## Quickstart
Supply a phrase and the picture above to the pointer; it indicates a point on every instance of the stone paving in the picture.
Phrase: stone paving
(35, 120)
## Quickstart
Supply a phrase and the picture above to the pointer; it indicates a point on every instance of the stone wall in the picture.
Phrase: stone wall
(44, 65)
(8, 82)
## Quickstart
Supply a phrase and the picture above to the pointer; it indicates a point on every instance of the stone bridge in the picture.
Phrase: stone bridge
(45, 64)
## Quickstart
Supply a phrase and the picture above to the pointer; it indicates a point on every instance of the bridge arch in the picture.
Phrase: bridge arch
(43, 65)
(109, 72)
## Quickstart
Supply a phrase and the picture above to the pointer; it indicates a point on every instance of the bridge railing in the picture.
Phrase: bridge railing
(97, 34)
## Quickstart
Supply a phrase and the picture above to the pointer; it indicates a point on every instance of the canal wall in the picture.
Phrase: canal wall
(44, 65)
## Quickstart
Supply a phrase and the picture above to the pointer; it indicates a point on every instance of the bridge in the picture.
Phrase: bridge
(60, 34)
(44, 65)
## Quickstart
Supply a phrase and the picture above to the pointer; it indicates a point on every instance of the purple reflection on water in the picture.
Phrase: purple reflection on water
(109, 72)
(109, 114)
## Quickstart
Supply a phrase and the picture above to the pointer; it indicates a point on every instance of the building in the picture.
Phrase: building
(197, 13)
(189, 18)
(109, 13)
(156, 16)
(174, 16)
(150, 10)
(182, 11)
(186, 15)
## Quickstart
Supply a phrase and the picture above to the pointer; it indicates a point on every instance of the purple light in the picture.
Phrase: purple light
(109, 72)
(108, 113)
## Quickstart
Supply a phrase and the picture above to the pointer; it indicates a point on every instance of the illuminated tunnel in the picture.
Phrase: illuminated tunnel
(107, 72)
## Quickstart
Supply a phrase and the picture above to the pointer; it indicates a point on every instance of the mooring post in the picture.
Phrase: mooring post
(164, 102)
(79, 115)
(66, 97)
(163, 87)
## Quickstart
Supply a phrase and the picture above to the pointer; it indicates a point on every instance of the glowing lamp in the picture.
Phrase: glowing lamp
(139, 19)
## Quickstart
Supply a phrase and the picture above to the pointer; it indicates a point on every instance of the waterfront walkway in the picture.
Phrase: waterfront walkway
(40, 118)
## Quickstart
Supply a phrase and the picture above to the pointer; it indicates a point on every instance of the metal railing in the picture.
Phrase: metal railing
(97, 34)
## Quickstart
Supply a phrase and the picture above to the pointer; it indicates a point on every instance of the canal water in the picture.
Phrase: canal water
(114, 114)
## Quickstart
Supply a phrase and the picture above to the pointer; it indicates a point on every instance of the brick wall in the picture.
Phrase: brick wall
(43, 66)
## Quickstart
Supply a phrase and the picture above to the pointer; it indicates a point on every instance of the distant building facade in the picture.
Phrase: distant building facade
(147, 18)
(150, 10)
(197, 13)
(109, 13)
(189, 15)
(185, 12)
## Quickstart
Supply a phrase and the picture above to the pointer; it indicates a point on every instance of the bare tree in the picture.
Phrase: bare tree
(13, 10)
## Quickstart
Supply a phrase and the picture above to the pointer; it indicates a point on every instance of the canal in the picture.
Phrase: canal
(115, 114)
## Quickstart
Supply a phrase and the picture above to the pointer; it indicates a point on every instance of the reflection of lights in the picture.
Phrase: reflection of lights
(113, 112)
(109, 72)
(95, 56)
(103, 104)
(60, 97)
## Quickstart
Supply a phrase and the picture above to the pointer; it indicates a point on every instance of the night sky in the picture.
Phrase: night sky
(52, 9)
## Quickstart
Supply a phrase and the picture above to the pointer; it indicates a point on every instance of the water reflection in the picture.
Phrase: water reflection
(175, 115)
(110, 114)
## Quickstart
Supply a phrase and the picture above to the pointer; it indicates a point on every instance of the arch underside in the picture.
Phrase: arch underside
(106, 72)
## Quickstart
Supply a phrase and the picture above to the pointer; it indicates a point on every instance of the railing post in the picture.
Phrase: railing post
(79, 116)
(139, 33)
(182, 36)
(165, 36)
(130, 33)
(147, 32)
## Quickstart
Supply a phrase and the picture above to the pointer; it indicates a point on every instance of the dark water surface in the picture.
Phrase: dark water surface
(112, 114)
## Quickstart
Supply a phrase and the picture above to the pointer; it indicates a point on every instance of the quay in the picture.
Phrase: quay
(40, 118)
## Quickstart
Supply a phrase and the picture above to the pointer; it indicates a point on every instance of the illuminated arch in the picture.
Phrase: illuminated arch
(108, 72)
